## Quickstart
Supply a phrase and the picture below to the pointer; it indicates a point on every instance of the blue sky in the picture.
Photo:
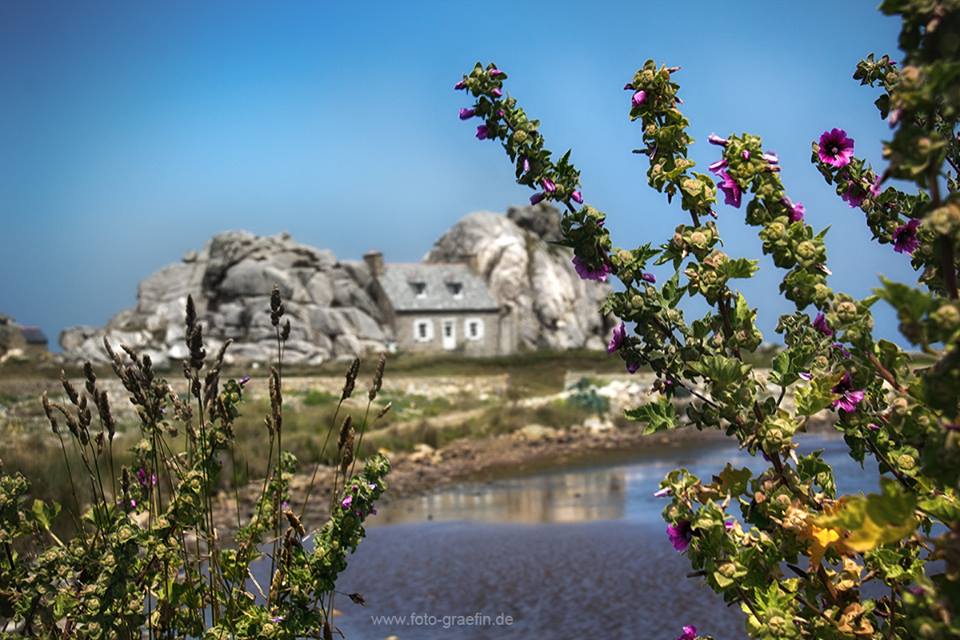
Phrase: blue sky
(130, 132)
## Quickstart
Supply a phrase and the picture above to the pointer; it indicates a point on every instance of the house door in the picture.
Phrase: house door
(449, 335)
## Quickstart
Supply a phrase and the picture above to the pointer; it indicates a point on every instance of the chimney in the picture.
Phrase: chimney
(472, 260)
(374, 260)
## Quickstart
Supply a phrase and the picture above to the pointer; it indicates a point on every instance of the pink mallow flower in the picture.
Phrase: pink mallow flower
(346, 502)
(482, 132)
(638, 98)
(617, 338)
(717, 140)
(854, 195)
(526, 165)
(493, 73)
(718, 166)
(633, 366)
(680, 535)
(849, 397)
(577, 197)
(586, 273)
(460, 86)
(663, 493)
(820, 324)
(905, 237)
(537, 198)
(548, 185)
(794, 211)
(731, 189)
(646, 276)
(689, 633)
(466, 114)
(836, 149)
(497, 92)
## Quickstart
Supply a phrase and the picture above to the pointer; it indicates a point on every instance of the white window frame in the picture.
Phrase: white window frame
(466, 328)
(428, 334)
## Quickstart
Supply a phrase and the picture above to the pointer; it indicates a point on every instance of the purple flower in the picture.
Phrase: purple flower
(628, 87)
(460, 86)
(284, 505)
(894, 117)
(537, 198)
(689, 633)
(849, 397)
(806, 375)
(142, 477)
(820, 324)
(718, 166)
(731, 190)
(548, 185)
(905, 237)
(638, 98)
(728, 525)
(836, 149)
(497, 92)
(633, 366)
(745, 154)
(493, 73)
(526, 165)
(842, 349)
(646, 276)
(796, 211)
(875, 189)
(244, 380)
(663, 493)
(346, 502)
(952, 427)
(873, 426)
(717, 140)
(854, 195)
(133, 503)
(482, 132)
(617, 338)
(276, 619)
(466, 114)
(771, 157)
(586, 273)
(577, 197)
(680, 535)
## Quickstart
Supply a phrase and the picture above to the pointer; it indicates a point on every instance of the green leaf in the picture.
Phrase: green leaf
(721, 371)
(739, 268)
(732, 481)
(910, 303)
(658, 415)
(816, 396)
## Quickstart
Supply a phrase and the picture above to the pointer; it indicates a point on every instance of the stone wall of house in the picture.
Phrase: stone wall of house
(487, 344)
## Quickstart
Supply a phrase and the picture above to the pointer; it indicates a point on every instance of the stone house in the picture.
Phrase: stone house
(438, 307)
(21, 340)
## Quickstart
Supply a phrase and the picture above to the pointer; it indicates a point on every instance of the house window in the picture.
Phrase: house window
(419, 289)
(423, 330)
(456, 290)
(473, 328)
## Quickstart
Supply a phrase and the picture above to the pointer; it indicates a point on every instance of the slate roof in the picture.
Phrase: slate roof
(400, 283)
(33, 335)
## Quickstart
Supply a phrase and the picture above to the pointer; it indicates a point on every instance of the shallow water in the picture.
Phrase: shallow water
(566, 554)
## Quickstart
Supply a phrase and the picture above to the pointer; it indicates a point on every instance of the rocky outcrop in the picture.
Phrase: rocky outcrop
(331, 302)
(552, 307)
(328, 302)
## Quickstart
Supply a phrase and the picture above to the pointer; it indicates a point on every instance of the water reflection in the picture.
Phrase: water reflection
(558, 497)
(570, 554)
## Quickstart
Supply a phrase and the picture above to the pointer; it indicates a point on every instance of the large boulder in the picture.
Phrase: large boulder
(230, 280)
(535, 278)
